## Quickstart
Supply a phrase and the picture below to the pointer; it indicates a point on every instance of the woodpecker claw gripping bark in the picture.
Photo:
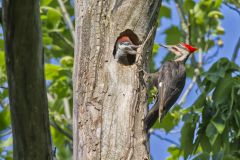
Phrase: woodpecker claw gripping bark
(170, 82)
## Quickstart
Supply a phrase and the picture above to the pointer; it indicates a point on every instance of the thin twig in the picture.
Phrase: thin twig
(67, 108)
(187, 29)
(211, 57)
(67, 41)
(3, 87)
(56, 126)
(190, 86)
(6, 132)
(184, 22)
(67, 19)
(231, 7)
(235, 53)
(50, 97)
(165, 139)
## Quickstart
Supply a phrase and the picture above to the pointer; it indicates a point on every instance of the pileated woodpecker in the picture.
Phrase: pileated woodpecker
(125, 50)
(170, 81)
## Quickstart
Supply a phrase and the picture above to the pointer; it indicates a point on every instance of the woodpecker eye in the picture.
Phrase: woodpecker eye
(174, 48)
(125, 43)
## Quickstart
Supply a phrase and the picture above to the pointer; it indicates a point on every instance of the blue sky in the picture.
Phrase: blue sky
(231, 24)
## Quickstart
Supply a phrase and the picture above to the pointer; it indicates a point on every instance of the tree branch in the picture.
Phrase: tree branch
(2, 87)
(235, 53)
(57, 127)
(187, 29)
(233, 8)
(67, 108)
(67, 19)
(184, 22)
(188, 90)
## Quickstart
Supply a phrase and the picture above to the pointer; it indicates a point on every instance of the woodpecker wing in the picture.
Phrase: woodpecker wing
(171, 81)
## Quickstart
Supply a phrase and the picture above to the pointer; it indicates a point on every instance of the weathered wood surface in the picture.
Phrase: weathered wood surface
(109, 98)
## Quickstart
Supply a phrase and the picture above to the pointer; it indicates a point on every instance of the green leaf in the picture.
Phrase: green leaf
(45, 2)
(215, 14)
(202, 156)
(188, 5)
(47, 40)
(175, 153)
(220, 30)
(155, 48)
(165, 12)
(53, 17)
(211, 133)
(223, 90)
(205, 144)
(187, 137)
(217, 3)
(2, 58)
(51, 71)
(219, 125)
(200, 101)
(4, 118)
(169, 121)
(6, 143)
(173, 35)
(67, 61)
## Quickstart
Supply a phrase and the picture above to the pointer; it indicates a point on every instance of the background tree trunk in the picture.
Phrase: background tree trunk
(110, 99)
(27, 92)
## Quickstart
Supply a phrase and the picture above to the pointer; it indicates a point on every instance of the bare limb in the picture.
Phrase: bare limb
(2, 87)
(57, 127)
(6, 132)
(67, 41)
(235, 53)
(187, 29)
(188, 90)
(184, 22)
(231, 7)
(67, 18)
(67, 108)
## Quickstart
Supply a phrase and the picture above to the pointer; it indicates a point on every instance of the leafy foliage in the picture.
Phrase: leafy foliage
(210, 127)
(58, 49)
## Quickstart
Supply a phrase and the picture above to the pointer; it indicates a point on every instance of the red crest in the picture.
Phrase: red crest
(124, 39)
(190, 48)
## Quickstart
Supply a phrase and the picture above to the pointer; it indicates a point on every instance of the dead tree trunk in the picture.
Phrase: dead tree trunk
(27, 92)
(110, 100)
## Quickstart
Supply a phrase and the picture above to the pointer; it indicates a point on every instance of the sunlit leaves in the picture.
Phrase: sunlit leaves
(188, 5)
(175, 153)
(187, 137)
(170, 120)
(215, 14)
(4, 118)
(45, 2)
(219, 123)
(58, 50)
(165, 12)
(67, 61)
(173, 35)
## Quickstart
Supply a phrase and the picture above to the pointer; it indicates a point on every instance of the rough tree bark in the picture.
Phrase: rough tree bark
(110, 98)
(27, 92)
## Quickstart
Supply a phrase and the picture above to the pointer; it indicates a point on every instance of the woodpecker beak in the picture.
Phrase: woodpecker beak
(163, 45)
(134, 46)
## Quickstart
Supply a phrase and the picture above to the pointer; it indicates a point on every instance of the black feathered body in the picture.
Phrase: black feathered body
(171, 81)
